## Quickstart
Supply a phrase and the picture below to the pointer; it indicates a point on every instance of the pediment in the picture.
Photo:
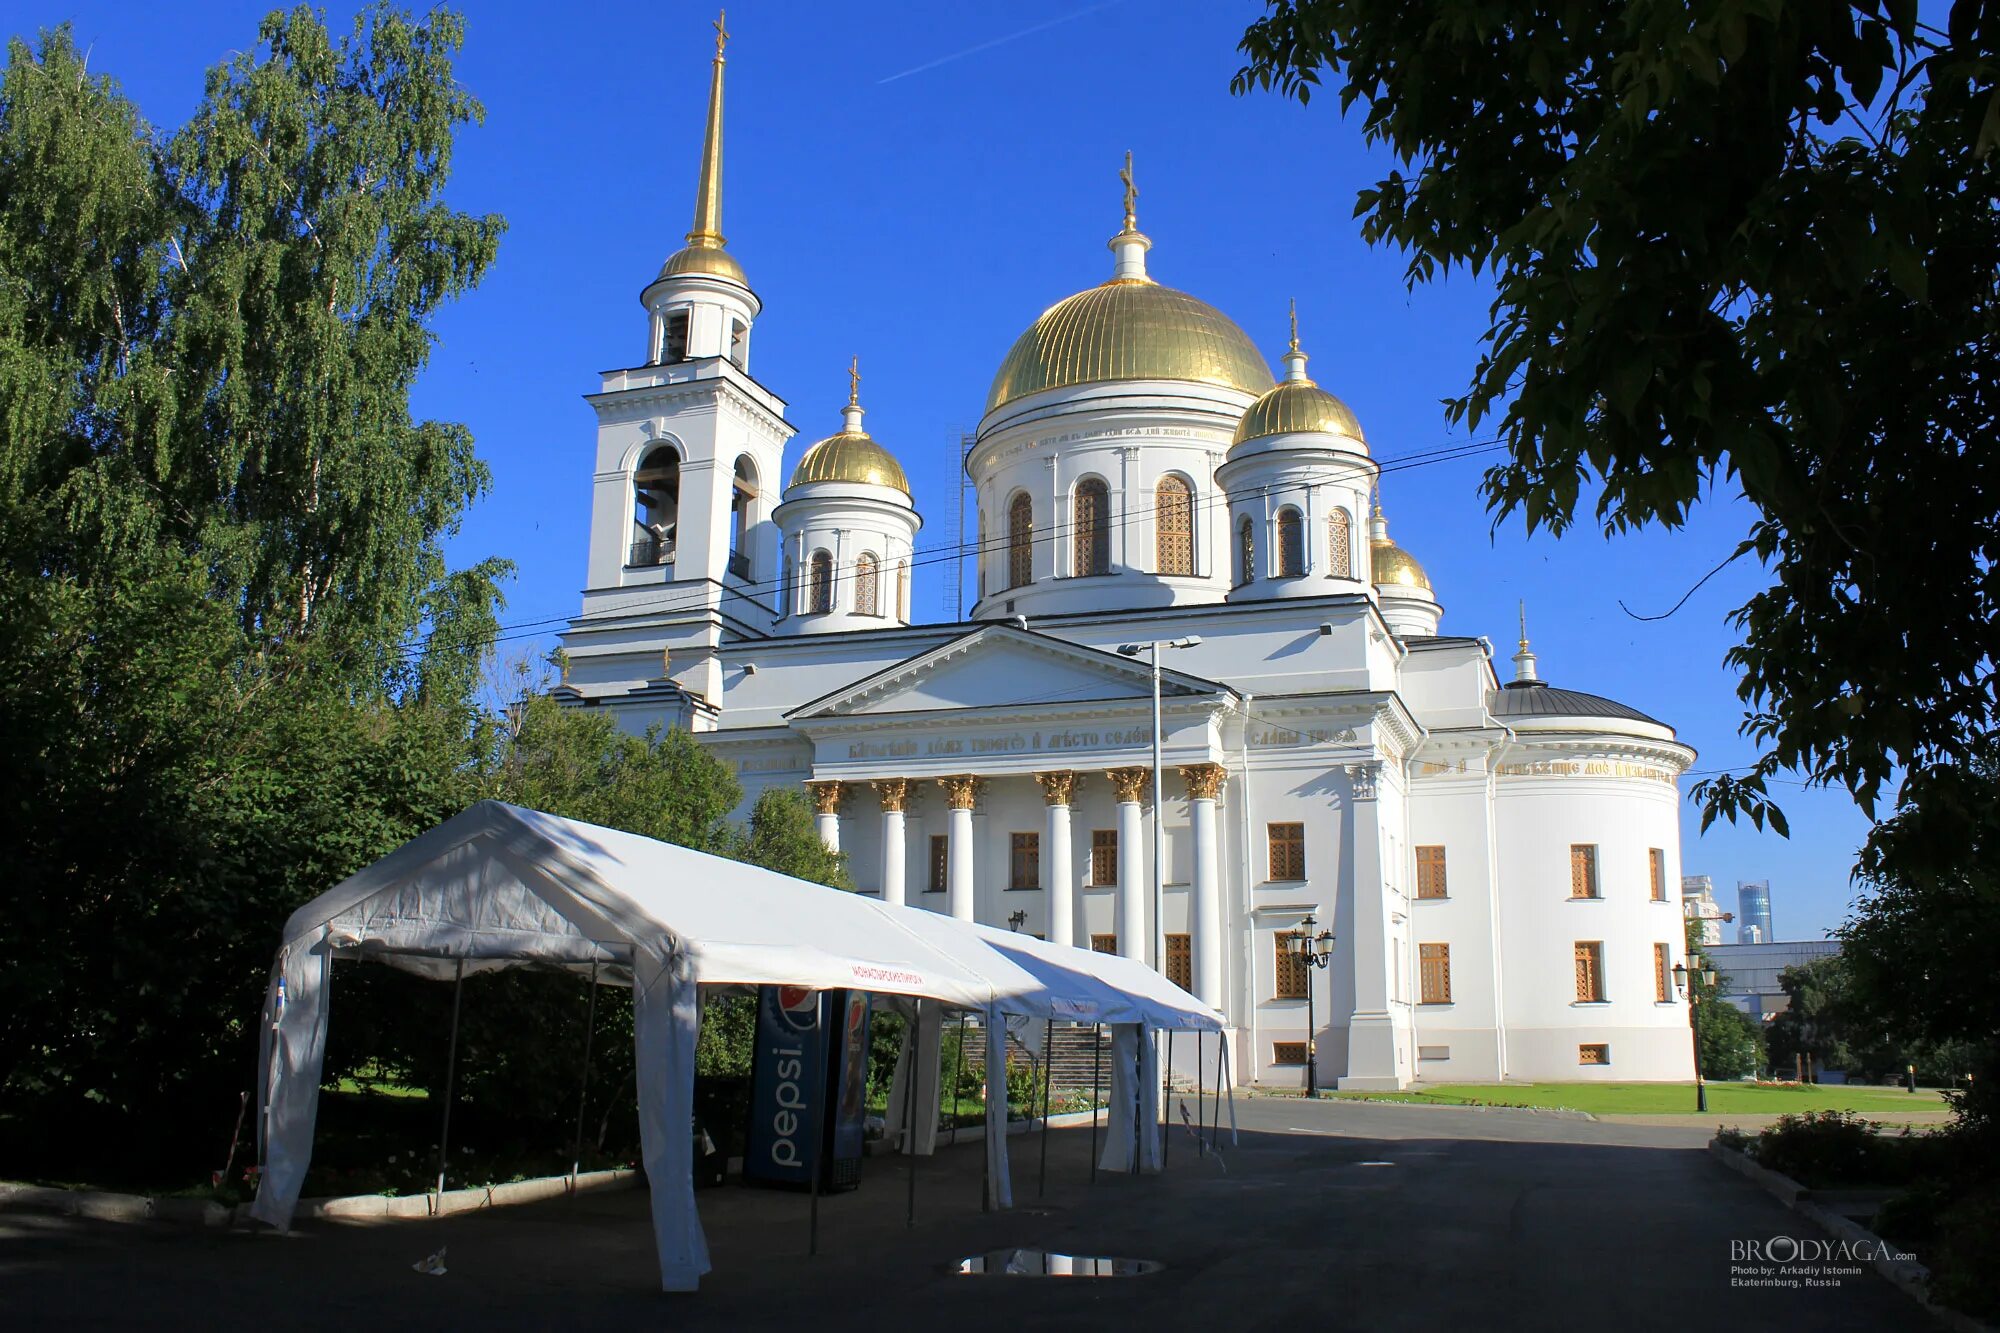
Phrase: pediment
(1001, 667)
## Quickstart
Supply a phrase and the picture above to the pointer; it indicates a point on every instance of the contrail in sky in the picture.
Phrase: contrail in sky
(997, 41)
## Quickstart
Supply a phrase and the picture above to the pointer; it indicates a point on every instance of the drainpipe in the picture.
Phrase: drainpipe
(1493, 891)
(1249, 983)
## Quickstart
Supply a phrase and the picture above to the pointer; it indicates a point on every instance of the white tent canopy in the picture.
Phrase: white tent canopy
(500, 886)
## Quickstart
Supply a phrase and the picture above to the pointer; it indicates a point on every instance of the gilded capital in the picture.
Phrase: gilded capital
(1204, 781)
(1128, 783)
(895, 793)
(1060, 787)
(960, 790)
(826, 796)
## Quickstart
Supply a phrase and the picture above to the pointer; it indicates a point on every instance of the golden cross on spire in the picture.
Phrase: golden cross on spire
(854, 382)
(1131, 194)
(1524, 623)
(1295, 324)
(721, 33)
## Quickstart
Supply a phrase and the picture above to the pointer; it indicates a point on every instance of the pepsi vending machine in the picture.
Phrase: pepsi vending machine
(798, 1125)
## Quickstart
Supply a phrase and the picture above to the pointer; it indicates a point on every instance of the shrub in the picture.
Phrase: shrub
(1822, 1148)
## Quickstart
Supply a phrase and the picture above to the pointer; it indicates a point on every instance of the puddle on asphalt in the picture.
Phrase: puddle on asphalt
(1044, 1263)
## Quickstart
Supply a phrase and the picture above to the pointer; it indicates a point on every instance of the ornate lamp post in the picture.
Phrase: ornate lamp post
(1707, 978)
(1314, 951)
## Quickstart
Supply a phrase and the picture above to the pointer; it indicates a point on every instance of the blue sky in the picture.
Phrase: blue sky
(913, 183)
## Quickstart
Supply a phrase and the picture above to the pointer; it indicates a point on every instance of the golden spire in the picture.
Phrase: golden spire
(854, 382)
(1131, 194)
(1524, 625)
(707, 233)
(1295, 323)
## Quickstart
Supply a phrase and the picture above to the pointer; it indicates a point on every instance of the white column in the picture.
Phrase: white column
(826, 812)
(895, 793)
(1128, 783)
(1058, 873)
(960, 791)
(1204, 783)
(1371, 1030)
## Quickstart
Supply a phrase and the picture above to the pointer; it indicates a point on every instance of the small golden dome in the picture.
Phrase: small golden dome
(1129, 329)
(703, 259)
(1392, 567)
(851, 456)
(1295, 407)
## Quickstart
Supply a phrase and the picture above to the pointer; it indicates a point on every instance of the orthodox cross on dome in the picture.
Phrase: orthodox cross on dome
(1295, 323)
(1525, 669)
(1131, 194)
(1295, 360)
(721, 33)
(854, 382)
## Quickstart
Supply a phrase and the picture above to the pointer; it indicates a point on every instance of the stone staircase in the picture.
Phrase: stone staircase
(1072, 1048)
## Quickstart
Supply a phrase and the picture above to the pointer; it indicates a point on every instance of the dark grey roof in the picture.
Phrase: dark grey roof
(1538, 700)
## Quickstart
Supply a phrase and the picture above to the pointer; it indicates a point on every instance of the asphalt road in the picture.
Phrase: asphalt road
(1326, 1215)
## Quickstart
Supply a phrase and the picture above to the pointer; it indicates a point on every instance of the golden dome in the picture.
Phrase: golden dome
(1129, 329)
(1294, 407)
(703, 259)
(1390, 566)
(851, 456)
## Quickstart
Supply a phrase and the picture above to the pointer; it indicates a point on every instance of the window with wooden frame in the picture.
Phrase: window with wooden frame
(1430, 872)
(1090, 530)
(1582, 871)
(1593, 1053)
(940, 862)
(1589, 971)
(1024, 861)
(1434, 973)
(1292, 970)
(867, 586)
(1104, 944)
(1180, 961)
(1288, 1052)
(1173, 526)
(1287, 851)
(1656, 872)
(1104, 856)
(1246, 552)
(819, 584)
(1662, 975)
(1291, 544)
(1020, 541)
(1340, 545)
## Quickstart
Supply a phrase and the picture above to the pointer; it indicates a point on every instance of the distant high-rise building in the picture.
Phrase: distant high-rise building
(1698, 904)
(1753, 912)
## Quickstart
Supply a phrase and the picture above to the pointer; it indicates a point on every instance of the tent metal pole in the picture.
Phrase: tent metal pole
(1138, 1096)
(1096, 1067)
(912, 1082)
(1048, 1086)
(1221, 1072)
(957, 1063)
(450, 1080)
(1167, 1106)
(821, 1107)
(583, 1088)
(1197, 1092)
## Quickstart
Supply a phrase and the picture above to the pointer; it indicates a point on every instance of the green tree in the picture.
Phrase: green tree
(1731, 1042)
(782, 837)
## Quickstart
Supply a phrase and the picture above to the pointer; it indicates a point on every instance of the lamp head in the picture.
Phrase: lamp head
(1130, 649)
(1190, 641)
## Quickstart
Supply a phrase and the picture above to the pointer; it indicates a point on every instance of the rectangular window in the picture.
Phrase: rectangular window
(1656, 868)
(1593, 1054)
(1288, 1052)
(1180, 961)
(739, 343)
(1287, 851)
(1025, 863)
(1430, 872)
(1434, 973)
(1589, 971)
(1104, 944)
(674, 339)
(1662, 975)
(1104, 856)
(1292, 970)
(940, 862)
(1582, 871)
(1433, 1052)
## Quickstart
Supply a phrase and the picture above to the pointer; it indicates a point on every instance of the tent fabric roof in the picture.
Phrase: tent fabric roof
(501, 886)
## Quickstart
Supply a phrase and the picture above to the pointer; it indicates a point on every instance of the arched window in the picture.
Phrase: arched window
(1173, 526)
(867, 600)
(673, 337)
(902, 590)
(1340, 545)
(1291, 544)
(1246, 552)
(819, 585)
(743, 495)
(1020, 541)
(656, 505)
(1091, 537)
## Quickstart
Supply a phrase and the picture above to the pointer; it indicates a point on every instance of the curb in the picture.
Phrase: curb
(100, 1206)
(1909, 1276)
(1389, 1099)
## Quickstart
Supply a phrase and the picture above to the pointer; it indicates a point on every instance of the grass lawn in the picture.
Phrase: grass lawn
(1671, 1098)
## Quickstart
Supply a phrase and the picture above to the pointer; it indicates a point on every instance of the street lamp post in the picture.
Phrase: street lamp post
(1159, 832)
(1314, 951)
(1682, 979)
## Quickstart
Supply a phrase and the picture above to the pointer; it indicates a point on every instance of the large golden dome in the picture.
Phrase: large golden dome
(1129, 329)
(1294, 407)
(851, 456)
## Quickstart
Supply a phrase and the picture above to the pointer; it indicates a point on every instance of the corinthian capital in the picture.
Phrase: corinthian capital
(826, 796)
(1204, 781)
(1128, 783)
(1059, 788)
(960, 790)
(895, 793)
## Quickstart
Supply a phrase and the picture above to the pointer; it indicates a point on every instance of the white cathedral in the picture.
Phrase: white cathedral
(1492, 861)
